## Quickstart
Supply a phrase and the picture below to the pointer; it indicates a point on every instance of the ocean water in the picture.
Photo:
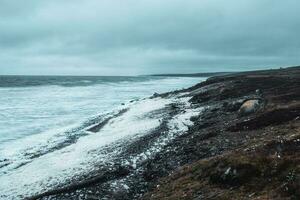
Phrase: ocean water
(45, 119)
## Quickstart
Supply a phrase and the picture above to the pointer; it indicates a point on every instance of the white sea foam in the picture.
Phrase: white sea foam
(55, 168)
(177, 126)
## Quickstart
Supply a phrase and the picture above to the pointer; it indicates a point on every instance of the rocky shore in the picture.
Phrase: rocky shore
(244, 143)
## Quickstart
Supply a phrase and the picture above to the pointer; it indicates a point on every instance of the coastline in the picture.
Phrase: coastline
(244, 123)
(245, 145)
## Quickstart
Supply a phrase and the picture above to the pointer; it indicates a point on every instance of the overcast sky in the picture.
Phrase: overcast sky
(130, 37)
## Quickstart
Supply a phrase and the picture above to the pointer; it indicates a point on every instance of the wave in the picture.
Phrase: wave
(69, 157)
(68, 81)
(41, 165)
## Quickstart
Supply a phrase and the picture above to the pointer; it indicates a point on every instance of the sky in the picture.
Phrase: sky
(133, 37)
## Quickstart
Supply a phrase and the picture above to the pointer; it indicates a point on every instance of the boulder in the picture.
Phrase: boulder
(249, 106)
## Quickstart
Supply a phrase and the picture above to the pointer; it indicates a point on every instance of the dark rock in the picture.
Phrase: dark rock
(232, 106)
(273, 117)
(155, 95)
(234, 176)
(258, 92)
(194, 118)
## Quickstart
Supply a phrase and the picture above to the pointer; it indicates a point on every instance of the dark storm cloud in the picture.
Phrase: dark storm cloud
(146, 36)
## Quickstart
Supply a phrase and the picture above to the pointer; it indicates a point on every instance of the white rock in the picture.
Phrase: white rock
(249, 106)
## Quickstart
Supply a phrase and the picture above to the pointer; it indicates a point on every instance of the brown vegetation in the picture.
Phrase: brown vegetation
(251, 156)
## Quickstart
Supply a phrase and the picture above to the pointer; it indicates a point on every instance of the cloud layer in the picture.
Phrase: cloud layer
(129, 37)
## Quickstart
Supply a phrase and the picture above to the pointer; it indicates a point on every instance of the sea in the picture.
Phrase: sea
(43, 123)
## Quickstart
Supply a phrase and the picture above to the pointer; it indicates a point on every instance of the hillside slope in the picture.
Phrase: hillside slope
(244, 145)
